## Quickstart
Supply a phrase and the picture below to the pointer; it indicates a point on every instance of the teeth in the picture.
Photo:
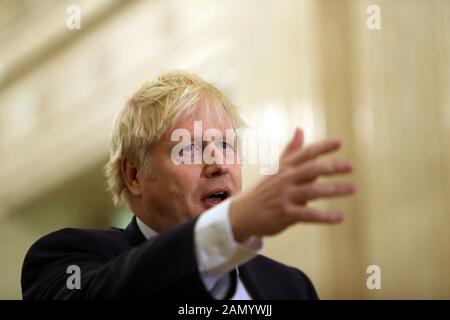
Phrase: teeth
(221, 195)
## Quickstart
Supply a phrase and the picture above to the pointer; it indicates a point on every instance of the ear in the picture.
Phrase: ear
(130, 175)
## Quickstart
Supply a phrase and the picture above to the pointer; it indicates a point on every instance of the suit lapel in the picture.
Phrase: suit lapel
(134, 235)
(254, 286)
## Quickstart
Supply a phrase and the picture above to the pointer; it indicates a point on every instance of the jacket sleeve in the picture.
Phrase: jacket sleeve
(160, 268)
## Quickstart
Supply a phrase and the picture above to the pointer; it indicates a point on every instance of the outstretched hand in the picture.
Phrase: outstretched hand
(281, 200)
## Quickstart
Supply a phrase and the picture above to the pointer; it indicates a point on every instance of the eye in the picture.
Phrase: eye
(190, 148)
(224, 145)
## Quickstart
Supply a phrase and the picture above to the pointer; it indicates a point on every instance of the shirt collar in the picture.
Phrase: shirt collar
(145, 229)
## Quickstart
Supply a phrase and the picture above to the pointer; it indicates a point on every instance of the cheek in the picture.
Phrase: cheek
(172, 179)
(235, 173)
(185, 178)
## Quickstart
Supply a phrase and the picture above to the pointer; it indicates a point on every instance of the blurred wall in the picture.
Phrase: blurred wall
(304, 63)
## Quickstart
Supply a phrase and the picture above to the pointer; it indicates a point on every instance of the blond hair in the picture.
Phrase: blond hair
(153, 109)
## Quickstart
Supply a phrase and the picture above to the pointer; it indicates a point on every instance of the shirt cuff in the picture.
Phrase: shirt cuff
(216, 249)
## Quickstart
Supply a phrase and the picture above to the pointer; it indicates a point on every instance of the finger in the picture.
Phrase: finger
(295, 144)
(313, 169)
(306, 214)
(307, 192)
(313, 151)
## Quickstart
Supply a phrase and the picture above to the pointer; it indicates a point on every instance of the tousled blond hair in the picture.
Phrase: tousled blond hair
(152, 110)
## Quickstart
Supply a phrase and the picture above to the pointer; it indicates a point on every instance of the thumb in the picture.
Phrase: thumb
(296, 142)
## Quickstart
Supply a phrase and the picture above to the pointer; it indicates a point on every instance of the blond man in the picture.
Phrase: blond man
(194, 234)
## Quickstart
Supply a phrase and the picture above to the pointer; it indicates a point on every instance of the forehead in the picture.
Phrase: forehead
(211, 113)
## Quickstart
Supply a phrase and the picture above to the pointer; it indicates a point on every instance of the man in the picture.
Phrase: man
(194, 235)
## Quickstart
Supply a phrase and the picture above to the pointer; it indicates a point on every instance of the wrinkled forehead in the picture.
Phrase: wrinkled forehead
(209, 112)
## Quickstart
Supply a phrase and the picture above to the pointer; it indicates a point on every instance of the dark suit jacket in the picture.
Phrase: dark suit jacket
(122, 264)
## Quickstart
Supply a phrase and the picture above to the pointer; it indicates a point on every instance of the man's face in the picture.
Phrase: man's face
(175, 193)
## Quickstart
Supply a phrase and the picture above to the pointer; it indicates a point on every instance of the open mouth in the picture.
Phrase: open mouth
(214, 198)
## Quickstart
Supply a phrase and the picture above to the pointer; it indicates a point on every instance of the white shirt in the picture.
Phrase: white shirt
(216, 250)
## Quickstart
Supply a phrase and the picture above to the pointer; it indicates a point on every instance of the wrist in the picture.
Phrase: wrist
(237, 221)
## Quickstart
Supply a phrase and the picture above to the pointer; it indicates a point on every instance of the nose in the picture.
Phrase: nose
(217, 166)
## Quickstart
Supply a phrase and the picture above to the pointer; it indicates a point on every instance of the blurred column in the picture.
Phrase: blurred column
(400, 79)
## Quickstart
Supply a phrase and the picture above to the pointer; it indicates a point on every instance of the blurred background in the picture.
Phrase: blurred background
(314, 64)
